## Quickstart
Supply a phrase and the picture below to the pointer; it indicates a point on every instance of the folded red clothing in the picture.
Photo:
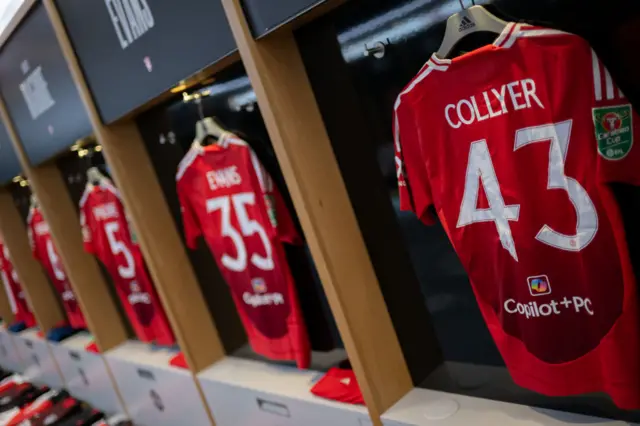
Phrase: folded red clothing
(339, 385)
(93, 347)
(179, 361)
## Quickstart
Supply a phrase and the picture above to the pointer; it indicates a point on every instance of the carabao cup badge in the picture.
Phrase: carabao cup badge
(614, 131)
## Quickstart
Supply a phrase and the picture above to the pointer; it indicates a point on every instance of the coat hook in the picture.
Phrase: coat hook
(378, 50)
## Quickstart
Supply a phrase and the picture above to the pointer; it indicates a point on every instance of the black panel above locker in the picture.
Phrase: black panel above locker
(133, 51)
(266, 16)
(9, 164)
(39, 91)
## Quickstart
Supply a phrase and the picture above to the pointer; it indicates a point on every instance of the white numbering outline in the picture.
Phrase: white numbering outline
(55, 261)
(480, 170)
(118, 247)
(248, 227)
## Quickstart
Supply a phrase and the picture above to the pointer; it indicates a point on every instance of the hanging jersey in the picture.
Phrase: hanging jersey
(46, 253)
(513, 145)
(13, 288)
(107, 235)
(226, 195)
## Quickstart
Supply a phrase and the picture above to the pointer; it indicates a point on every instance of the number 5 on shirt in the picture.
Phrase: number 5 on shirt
(118, 247)
(55, 261)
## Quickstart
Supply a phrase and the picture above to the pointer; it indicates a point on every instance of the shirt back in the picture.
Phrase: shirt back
(46, 254)
(107, 235)
(513, 144)
(226, 195)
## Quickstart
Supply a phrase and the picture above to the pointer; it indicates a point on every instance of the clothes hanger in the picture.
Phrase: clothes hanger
(465, 22)
(95, 176)
(207, 127)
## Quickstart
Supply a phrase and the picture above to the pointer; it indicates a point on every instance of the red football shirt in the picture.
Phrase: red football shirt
(46, 253)
(15, 294)
(226, 194)
(514, 144)
(107, 235)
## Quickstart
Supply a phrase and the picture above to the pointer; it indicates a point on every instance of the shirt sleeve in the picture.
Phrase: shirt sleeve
(189, 222)
(617, 129)
(87, 236)
(279, 215)
(413, 183)
(133, 235)
(286, 229)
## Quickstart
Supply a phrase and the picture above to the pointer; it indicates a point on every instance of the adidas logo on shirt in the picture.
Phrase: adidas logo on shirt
(346, 381)
(466, 24)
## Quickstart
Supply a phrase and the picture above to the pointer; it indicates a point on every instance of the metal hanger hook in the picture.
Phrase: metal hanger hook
(462, 4)
(200, 107)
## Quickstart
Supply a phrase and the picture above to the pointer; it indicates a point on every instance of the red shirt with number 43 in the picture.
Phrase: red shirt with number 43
(514, 145)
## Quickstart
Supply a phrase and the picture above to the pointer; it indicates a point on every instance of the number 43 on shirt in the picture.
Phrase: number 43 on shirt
(480, 169)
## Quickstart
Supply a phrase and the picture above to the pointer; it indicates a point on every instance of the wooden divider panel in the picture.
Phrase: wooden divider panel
(88, 283)
(6, 313)
(304, 151)
(159, 239)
